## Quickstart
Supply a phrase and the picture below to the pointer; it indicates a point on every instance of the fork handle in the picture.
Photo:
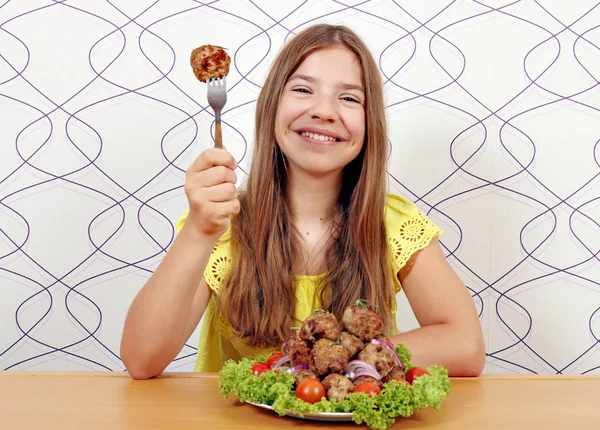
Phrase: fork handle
(218, 135)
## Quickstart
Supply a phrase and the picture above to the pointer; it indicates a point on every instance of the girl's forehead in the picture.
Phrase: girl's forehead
(332, 63)
(331, 53)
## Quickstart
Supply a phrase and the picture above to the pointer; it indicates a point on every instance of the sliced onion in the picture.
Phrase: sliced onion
(391, 348)
(281, 362)
(356, 365)
(298, 367)
(353, 375)
(366, 372)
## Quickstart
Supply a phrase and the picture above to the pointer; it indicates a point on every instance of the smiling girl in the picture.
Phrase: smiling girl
(313, 229)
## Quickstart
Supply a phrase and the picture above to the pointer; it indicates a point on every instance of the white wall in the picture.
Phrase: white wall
(494, 119)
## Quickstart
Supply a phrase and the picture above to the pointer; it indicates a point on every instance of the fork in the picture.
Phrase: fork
(217, 97)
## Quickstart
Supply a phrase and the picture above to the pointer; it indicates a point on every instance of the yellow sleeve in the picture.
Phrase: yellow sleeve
(409, 230)
(220, 260)
(181, 221)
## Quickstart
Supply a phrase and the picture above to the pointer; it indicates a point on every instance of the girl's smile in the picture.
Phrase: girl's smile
(319, 137)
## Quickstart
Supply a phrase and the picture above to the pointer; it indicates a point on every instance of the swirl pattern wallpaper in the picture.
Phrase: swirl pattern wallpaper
(494, 125)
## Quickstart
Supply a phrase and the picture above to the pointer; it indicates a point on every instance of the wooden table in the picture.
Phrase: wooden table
(87, 401)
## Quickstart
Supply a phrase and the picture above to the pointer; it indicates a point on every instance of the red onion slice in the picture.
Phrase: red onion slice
(299, 367)
(391, 348)
(356, 364)
(366, 372)
(354, 367)
(281, 362)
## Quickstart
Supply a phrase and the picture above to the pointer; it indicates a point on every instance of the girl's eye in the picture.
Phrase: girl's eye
(301, 90)
(350, 99)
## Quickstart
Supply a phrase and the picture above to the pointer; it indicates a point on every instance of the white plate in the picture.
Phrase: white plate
(321, 416)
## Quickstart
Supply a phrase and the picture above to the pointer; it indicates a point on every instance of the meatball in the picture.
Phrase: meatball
(320, 325)
(379, 356)
(370, 379)
(362, 322)
(352, 344)
(301, 375)
(337, 386)
(292, 339)
(300, 354)
(210, 62)
(397, 372)
(296, 348)
(328, 357)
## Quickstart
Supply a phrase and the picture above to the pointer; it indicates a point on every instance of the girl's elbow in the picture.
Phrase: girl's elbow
(140, 373)
(469, 360)
(475, 360)
(138, 368)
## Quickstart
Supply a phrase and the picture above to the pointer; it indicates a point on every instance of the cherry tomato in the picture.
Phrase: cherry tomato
(368, 388)
(260, 367)
(414, 373)
(310, 390)
(274, 359)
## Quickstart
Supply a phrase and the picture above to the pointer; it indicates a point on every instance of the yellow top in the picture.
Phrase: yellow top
(409, 230)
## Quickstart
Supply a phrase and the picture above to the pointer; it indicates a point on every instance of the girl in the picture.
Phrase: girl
(313, 229)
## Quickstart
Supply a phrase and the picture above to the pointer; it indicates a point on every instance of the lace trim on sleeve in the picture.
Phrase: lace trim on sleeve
(409, 231)
(220, 260)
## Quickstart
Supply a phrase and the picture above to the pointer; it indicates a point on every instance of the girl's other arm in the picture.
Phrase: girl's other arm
(450, 333)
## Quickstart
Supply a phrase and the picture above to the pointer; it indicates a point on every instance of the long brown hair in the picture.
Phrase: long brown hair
(258, 296)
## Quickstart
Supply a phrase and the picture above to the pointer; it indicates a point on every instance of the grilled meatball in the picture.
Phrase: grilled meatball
(370, 379)
(337, 386)
(299, 354)
(379, 356)
(292, 339)
(328, 357)
(396, 373)
(362, 322)
(210, 62)
(352, 344)
(320, 325)
(301, 375)
(296, 348)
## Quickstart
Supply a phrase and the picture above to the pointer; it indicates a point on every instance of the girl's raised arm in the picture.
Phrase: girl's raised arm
(169, 306)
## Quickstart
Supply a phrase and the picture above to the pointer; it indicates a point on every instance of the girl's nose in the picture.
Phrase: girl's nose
(324, 108)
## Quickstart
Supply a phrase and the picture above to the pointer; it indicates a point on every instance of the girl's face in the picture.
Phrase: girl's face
(320, 123)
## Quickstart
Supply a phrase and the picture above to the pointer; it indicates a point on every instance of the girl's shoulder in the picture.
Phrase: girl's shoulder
(399, 210)
(408, 229)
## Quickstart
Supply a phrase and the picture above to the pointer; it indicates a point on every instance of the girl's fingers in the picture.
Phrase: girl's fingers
(221, 193)
(213, 157)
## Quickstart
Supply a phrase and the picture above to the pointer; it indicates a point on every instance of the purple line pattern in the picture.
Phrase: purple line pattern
(494, 118)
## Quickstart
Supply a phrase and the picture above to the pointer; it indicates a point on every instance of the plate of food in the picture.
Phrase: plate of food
(330, 370)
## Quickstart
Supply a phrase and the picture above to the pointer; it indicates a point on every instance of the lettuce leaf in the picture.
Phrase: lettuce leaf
(268, 388)
(404, 355)
(378, 412)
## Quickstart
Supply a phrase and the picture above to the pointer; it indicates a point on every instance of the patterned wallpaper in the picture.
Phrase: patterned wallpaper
(494, 113)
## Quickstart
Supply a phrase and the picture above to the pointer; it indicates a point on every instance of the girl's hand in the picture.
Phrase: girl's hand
(211, 192)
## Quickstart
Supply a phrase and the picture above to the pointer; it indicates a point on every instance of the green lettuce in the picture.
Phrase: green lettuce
(405, 356)
(378, 412)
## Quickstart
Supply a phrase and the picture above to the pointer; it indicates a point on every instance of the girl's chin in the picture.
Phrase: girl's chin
(317, 170)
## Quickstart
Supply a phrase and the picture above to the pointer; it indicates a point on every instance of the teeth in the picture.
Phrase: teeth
(319, 137)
